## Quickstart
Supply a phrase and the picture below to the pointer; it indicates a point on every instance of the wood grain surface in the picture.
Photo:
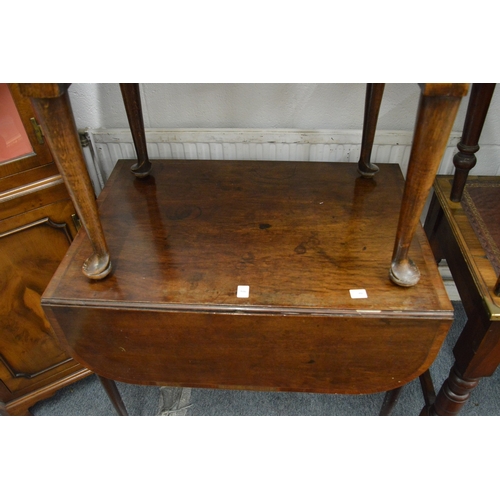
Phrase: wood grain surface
(300, 235)
(474, 254)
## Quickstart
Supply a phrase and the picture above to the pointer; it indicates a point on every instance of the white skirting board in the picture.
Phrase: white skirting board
(107, 146)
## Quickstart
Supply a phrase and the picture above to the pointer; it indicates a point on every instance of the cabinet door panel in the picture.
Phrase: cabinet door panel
(40, 154)
(31, 249)
(14, 141)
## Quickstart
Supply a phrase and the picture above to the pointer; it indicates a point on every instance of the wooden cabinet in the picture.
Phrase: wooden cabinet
(37, 225)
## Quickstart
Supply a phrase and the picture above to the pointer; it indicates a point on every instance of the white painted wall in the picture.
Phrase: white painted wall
(288, 105)
(268, 106)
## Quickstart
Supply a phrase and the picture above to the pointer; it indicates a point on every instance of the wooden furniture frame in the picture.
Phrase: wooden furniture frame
(452, 237)
(37, 224)
(258, 342)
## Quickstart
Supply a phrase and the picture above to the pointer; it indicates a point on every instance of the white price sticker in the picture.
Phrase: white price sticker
(243, 291)
(358, 294)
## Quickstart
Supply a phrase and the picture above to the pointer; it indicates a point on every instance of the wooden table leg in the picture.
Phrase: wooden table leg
(132, 101)
(437, 109)
(53, 110)
(114, 395)
(465, 159)
(477, 355)
(390, 400)
(453, 394)
(374, 93)
(427, 388)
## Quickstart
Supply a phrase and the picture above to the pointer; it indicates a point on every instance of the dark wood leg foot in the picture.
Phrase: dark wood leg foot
(114, 395)
(132, 101)
(453, 394)
(437, 110)
(374, 93)
(465, 159)
(390, 400)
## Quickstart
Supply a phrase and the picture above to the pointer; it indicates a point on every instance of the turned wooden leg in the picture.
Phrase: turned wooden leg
(453, 395)
(390, 400)
(132, 101)
(53, 110)
(437, 109)
(374, 93)
(114, 395)
(477, 355)
(465, 159)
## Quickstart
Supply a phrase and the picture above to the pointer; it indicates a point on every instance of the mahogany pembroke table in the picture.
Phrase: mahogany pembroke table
(275, 276)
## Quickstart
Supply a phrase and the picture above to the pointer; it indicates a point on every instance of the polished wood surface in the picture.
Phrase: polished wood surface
(477, 351)
(451, 90)
(301, 235)
(32, 363)
(436, 113)
(30, 255)
(467, 241)
(465, 159)
(36, 230)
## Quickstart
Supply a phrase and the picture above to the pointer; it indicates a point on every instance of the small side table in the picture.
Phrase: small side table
(254, 275)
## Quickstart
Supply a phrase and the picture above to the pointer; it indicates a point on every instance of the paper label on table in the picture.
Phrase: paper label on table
(243, 291)
(358, 294)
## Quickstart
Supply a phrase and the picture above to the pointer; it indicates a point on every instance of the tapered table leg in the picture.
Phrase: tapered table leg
(374, 93)
(132, 101)
(437, 109)
(390, 400)
(53, 110)
(465, 159)
(427, 388)
(114, 395)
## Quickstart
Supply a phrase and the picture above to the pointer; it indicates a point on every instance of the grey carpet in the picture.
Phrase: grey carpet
(87, 397)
